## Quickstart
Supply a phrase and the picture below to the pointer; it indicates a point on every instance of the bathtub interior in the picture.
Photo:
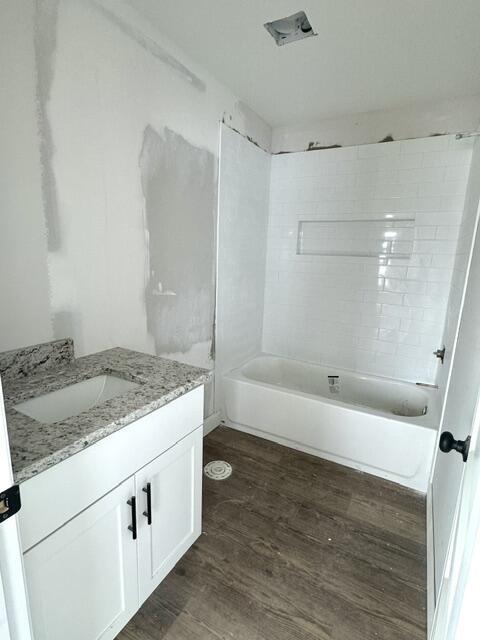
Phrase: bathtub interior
(398, 398)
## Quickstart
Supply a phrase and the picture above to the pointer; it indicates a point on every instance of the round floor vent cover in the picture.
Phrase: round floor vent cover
(218, 470)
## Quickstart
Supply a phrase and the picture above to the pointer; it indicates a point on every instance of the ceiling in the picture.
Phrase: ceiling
(368, 55)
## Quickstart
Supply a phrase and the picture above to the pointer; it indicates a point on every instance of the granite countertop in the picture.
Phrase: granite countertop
(36, 446)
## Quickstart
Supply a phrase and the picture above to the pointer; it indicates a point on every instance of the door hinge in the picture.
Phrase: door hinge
(9, 502)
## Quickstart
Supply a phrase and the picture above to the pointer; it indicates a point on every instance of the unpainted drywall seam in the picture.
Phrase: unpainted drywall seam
(46, 14)
(150, 46)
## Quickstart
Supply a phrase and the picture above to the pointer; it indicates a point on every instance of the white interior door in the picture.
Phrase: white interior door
(14, 614)
(458, 414)
(456, 616)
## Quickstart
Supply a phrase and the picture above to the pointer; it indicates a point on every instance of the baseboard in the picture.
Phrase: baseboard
(211, 423)
(430, 562)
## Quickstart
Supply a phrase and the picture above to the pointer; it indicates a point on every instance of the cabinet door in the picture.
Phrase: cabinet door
(175, 481)
(82, 580)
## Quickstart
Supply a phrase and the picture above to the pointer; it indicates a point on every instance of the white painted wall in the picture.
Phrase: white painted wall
(97, 74)
(415, 121)
(242, 243)
(98, 116)
(353, 312)
(104, 74)
(24, 289)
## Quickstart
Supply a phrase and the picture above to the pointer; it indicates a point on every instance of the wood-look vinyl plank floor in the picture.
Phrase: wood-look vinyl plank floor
(294, 548)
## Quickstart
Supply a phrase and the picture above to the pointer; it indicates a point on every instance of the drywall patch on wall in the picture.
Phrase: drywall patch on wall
(45, 41)
(179, 187)
(151, 46)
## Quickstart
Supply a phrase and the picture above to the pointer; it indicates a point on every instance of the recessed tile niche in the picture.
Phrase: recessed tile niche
(369, 238)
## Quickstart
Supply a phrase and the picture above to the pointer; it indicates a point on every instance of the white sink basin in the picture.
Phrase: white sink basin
(72, 400)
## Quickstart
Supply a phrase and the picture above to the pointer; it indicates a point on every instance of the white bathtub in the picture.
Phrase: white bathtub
(381, 426)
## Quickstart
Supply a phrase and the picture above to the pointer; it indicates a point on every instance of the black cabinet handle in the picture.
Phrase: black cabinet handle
(133, 527)
(148, 512)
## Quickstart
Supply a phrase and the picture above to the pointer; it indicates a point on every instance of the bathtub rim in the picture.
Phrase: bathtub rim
(429, 421)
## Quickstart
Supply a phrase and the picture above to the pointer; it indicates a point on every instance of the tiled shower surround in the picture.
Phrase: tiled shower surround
(379, 315)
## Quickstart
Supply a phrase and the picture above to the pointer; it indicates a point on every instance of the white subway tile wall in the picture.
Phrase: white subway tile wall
(381, 316)
(357, 237)
(242, 239)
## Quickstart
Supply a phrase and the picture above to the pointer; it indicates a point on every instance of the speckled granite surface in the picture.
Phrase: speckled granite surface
(19, 363)
(36, 446)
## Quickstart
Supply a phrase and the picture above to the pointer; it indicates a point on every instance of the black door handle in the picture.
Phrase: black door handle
(133, 527)
(448, 442)
(148, 512)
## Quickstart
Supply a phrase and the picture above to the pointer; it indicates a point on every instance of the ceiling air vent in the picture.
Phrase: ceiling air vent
(289, 29)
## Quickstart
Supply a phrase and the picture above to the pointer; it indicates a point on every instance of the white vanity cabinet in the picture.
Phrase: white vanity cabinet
(82, 579)
(87, 577)
(171, 516)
